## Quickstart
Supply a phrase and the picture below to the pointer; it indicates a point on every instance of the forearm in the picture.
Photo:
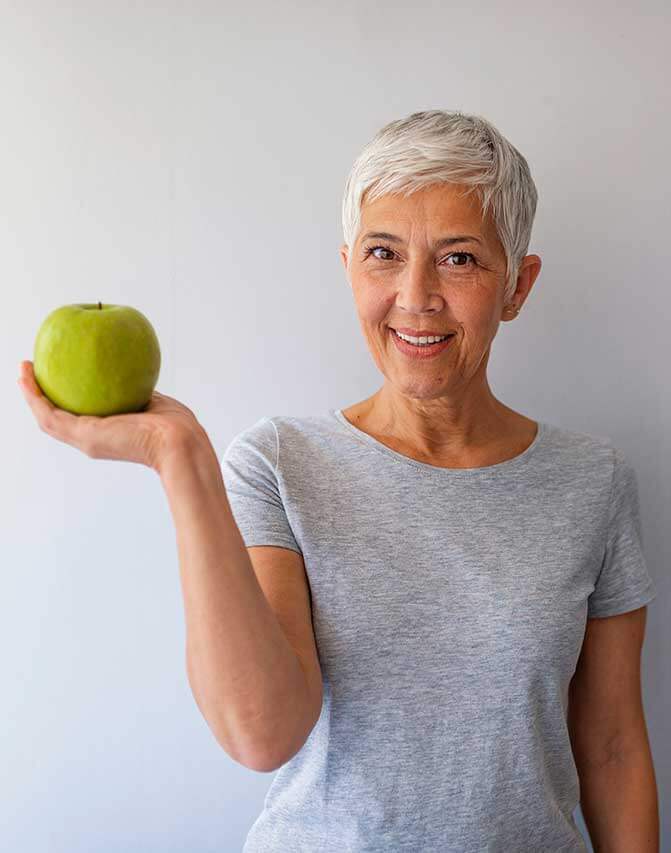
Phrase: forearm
(244, 674)
(618, 800)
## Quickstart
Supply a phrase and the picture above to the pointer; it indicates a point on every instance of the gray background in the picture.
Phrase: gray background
(189, 160)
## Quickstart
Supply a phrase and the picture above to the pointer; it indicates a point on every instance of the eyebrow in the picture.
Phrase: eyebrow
(444, 241)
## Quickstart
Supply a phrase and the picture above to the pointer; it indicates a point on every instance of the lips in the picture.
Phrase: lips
(420, 333)
(420, 352)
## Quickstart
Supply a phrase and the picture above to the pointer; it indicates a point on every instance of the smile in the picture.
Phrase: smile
(420, 351)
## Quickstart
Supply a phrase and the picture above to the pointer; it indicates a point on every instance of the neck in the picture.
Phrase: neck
(441, 428)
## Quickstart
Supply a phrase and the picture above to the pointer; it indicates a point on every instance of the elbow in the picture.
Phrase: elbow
(262, 764)
(263, 744)
(263, 758)
(275, 754)
(269, 760)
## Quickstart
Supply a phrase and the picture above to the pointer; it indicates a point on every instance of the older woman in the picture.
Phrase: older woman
(461, 556)
(426, 609)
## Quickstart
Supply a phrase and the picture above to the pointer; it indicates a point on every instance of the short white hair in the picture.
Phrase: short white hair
(436, 146)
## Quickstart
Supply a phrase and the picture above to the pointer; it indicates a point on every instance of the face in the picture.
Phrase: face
(411, 281)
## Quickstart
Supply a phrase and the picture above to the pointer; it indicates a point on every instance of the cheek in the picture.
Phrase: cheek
(374, 308)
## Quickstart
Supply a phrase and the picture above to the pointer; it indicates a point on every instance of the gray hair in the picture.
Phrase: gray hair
(436, 146)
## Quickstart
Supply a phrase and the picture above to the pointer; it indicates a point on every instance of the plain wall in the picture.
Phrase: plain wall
(189, 159)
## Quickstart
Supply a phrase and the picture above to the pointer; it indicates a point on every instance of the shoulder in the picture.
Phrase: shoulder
(587, 451)
(305, 425)
(260, 436)
(581, 464)
(285, 436)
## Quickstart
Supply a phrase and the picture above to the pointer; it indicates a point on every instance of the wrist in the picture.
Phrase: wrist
(192, 450)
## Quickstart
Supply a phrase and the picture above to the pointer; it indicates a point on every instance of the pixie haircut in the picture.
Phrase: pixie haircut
(437, 146)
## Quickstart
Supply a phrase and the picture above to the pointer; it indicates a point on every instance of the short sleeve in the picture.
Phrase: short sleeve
(624, 582)
(249, 470)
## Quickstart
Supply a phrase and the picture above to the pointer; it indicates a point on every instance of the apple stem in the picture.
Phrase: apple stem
(100, 306)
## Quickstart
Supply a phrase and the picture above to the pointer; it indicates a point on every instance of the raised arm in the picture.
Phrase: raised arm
(245, 675)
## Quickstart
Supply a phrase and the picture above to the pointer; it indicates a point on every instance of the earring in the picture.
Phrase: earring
(514, 309)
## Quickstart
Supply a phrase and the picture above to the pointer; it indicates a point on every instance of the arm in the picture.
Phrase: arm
(618, 793)
(244, 674)
(618, 799)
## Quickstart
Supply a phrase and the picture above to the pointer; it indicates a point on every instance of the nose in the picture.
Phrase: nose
(419, 288)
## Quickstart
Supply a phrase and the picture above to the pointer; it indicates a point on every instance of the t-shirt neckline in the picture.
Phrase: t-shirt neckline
(499, 467)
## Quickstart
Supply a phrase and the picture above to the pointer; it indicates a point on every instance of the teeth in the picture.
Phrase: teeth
(423, 340)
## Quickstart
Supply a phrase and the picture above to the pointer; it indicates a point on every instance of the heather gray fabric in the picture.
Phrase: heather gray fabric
(449, 609)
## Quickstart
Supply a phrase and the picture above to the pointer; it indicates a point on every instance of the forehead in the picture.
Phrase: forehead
(438, 208)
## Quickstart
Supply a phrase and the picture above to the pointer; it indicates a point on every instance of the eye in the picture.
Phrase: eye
(463, 255)
(369, 250)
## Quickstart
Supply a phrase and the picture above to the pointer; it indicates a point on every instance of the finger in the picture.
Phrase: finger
(28, 382)
(31, 389)
(53, 420)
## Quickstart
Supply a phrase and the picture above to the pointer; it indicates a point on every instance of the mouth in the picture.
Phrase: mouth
(418, 349)
(417, 336)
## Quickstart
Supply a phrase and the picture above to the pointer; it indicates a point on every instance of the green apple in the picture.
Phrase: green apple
(95, 359)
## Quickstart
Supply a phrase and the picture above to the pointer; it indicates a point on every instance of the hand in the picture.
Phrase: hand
(144, 437)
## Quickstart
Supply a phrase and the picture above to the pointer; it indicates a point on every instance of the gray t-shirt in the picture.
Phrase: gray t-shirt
(449, 610)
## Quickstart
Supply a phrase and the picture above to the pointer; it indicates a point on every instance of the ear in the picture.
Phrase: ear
(527, 274)
(344, 254)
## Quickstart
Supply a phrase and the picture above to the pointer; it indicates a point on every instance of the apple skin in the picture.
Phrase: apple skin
(96, 359)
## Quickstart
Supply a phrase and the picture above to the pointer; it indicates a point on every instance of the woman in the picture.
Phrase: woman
(425, 609)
